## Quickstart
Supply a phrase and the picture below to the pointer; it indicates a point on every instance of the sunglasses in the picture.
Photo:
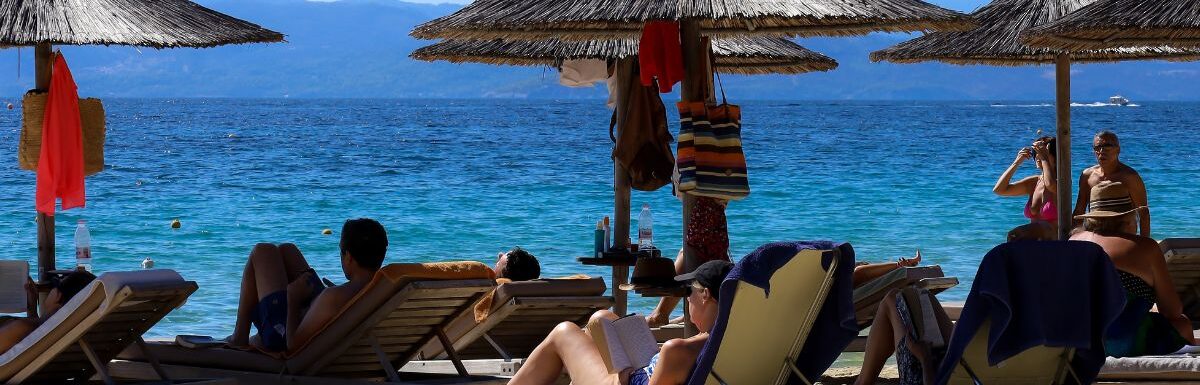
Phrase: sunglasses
(689, 289)
(1104, 147)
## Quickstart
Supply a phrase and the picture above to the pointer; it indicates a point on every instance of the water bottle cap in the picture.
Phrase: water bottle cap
(645, 205)
(81, 221)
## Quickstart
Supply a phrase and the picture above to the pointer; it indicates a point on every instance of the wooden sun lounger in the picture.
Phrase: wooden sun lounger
(1183, 263)
(868, 296)
(376, 334)
(104, 318)
(521, 315)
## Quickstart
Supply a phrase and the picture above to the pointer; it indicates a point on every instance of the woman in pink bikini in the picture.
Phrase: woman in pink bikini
(1040, 189)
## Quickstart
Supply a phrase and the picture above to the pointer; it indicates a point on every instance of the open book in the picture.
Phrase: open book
(13, 275)
(624, 343)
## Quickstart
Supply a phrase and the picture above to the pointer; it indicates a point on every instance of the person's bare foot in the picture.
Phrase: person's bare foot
(677, 320)
(236, 343)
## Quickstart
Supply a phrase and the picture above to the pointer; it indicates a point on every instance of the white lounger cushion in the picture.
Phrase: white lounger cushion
(76, 316)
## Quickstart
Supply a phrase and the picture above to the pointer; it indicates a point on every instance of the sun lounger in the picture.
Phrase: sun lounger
(105, 317)
(792, 330)
(868, 296)
(519, 315)
(1036, 314)
(404, 307)
(1183, 263)
(1152, 368)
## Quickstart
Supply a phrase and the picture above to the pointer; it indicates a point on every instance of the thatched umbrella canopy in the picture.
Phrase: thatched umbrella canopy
(157, 24)
(618, 19)
(146, 23)
(997, 41)
(737, 55)
(1123, 23)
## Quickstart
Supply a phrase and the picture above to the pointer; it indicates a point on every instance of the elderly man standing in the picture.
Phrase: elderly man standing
(1107, 149)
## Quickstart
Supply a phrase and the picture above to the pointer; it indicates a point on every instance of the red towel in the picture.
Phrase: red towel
(60, 164)
(659, 54)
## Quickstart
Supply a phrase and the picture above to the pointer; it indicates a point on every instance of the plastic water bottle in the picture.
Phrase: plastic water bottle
(645, 228)
(83, 246)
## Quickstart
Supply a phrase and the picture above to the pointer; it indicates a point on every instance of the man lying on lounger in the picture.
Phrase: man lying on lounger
(285, 300)
(517, 265)
(14, 330)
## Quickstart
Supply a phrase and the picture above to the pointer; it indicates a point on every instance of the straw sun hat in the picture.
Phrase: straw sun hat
(1108, 200)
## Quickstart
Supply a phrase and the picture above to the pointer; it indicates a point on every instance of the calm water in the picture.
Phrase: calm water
(455, 180)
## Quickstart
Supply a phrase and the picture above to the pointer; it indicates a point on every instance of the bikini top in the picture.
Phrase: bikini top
(1048, 213)
(1137, 286)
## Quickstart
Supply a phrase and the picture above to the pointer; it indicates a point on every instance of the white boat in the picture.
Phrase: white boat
(1118, 100)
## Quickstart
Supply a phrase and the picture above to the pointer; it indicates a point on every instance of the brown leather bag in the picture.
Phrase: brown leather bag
(644, 146)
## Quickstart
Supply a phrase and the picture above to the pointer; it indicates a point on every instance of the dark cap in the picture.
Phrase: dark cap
(708, 275)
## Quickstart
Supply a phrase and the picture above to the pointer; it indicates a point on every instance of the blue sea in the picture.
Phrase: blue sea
(466, 179)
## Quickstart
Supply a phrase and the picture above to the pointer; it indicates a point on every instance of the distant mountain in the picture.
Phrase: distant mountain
(359, 49)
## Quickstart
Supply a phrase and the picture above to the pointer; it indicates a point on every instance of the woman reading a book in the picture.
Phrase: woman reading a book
(14, 330)
(576, 351)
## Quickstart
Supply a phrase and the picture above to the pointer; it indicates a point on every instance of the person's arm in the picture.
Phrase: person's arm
(676, 360)
(1085, 192)
(865, 273)
(31, 298)
(14, 331)
(323, 309)
(1164, 291)
(298, 294)
(1004, 187)
(1137, 192)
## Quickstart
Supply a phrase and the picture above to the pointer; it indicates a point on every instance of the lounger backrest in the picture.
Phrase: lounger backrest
(108, 315)
(392, 318)
(765, 333)
(523, 314)
(1183, 261)
(868, 296)
(1037, 365)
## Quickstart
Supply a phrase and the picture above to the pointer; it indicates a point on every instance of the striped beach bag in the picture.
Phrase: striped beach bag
(710, 158)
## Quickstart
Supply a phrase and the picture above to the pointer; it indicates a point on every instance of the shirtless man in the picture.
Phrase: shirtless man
(285, 300)
(1108, 168)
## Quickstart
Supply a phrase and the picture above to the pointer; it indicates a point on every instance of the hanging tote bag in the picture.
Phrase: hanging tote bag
(711, 161)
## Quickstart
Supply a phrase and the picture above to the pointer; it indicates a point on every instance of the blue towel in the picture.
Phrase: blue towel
(834, 327)
(1051, 293)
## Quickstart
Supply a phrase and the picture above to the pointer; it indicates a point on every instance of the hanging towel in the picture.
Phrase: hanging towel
(582, 73)
(60, 164)
(659, 55)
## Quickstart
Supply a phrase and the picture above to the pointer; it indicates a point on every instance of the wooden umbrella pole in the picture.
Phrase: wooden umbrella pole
(1062, 72)
(621, 191)
(697, 82)
(45, 223)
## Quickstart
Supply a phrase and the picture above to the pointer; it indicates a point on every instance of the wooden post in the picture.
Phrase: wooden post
(45, 223)
(697, 84)
(621, 191)
(1062, 75)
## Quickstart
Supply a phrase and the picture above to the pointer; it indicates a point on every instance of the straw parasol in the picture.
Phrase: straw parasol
(616, 19)
(997, 41)
(1123, 23)
(737, 55)
(157, 24)
(698, 21)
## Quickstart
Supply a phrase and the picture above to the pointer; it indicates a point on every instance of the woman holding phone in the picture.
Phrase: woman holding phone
(1040, 189)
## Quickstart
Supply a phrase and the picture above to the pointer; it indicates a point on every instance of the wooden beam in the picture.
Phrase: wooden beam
(621, 192)
(696, 87)
(1062, 74)
(45, 223)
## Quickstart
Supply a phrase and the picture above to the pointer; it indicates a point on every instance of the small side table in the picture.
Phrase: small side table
(620, 261)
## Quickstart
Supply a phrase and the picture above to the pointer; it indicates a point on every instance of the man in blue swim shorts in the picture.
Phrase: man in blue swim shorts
(285, 300)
